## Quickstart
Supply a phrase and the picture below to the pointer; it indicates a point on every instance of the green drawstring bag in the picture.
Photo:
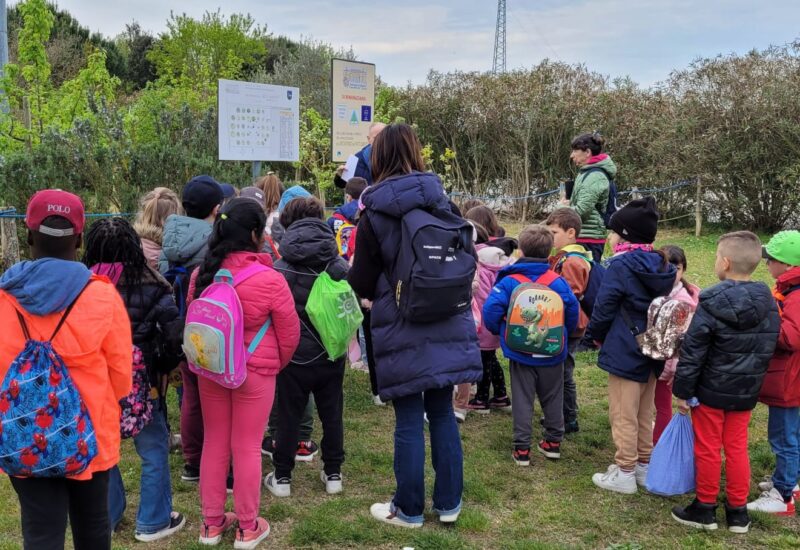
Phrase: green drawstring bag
(333, 309)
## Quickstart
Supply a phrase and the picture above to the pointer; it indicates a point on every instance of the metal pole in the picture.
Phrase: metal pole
(256, 167)
(3, 51)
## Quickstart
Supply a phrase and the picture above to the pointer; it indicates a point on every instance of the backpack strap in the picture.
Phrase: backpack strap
(522, 279)
(61, 322)
(251, 270)
(547, 278)
(628, 321)
(251, 349)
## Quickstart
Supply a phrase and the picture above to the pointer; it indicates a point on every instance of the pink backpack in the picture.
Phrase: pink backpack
(213, 338)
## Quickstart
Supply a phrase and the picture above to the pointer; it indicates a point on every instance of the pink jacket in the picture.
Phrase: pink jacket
(264, 295)
(152, 250)
(691, 295)
(490, 261)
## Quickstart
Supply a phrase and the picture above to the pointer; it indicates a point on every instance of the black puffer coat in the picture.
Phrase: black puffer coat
(307, 249)
(155, 323)
(727, 348)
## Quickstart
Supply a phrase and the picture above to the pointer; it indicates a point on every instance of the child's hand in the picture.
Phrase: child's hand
(683, 406)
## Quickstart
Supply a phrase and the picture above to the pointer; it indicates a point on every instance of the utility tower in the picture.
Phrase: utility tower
(499, 65)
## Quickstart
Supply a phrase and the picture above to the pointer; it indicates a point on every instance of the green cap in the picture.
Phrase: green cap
(784, 247)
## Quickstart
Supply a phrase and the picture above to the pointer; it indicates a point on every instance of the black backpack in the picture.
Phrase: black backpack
(435, 266)
(611, 205)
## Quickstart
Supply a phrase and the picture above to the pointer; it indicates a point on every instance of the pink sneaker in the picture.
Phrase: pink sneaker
(211, 535)
(247, 539)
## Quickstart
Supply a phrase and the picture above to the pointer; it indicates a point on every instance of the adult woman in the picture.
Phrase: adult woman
(234, 419)
(273, 189)
(412, 358)
(590, 193)
(154, 209)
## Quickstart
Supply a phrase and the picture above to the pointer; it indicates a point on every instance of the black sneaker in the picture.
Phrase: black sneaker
(190, 473)
(176, 523)
(550, 449)
(501, 403)
(738, 519)
(697, 514)
(571, 427)
(267, 446)
(229, 484)
(522, 456)
(306, 451)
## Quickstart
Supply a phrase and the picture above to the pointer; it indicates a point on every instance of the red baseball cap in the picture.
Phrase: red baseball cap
(55, 202)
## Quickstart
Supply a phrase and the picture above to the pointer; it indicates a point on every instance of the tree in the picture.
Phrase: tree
(135, 44)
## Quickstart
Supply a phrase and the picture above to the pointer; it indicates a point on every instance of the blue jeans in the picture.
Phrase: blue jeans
(783, 431)
(409, 454)
(155, 492)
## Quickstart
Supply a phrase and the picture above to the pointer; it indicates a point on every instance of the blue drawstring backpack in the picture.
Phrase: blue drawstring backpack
(45, 428)
(671, 469)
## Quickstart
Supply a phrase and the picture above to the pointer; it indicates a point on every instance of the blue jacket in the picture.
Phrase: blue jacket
(496, 307)
(409, 357)
(348, 210)
(364, 168)
(632, 281)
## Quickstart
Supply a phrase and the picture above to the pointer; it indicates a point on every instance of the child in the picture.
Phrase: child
(154, 209)
(113, 249)
(634, 277)
(539, 376)
(723, 360)
(573, 263)
(491, 259)
(349, 210)
(308, 249)
(95, 344)
(235, 419)
(273, 189)
(781, 389)
(689, 294)
(185, 246)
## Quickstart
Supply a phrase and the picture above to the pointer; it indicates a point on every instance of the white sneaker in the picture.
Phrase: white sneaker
(279, 487)
(382, 511)
(333, 482)
(359, 365)
(640, 473)
(461, 415)
(772, 502)
(449, 518)
(377, 400)
(766, 487)
(616, 480)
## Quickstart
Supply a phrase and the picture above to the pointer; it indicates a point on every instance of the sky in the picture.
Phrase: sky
(642, 39)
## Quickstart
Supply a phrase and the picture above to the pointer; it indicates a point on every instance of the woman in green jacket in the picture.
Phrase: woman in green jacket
(590, 193)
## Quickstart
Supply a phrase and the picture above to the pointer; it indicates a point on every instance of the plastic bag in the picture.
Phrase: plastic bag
(671, 470)
(333, 309)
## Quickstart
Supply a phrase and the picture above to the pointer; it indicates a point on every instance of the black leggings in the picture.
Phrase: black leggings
(492, 374)
(45, 504)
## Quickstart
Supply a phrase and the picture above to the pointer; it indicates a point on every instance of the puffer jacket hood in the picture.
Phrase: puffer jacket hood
(649, 270)
(45, 286)
(308, 249)
(728, 347)
(740, 305)
(605, 163)
(397, 196)
(185, 242)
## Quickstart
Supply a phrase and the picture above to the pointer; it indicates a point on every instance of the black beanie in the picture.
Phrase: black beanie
(637, 221)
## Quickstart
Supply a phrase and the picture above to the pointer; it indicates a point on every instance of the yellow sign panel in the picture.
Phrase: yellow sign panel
(353, 108)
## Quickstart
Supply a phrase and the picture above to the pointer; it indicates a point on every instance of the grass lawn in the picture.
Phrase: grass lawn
(551, 504)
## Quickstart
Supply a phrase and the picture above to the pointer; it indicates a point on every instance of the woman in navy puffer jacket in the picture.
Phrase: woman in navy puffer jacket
(416, 364)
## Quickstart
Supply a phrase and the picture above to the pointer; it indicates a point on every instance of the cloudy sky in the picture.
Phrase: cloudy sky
(643, 39)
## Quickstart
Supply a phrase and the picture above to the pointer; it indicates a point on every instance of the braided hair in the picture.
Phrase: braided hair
(233, 231)
(113, 240)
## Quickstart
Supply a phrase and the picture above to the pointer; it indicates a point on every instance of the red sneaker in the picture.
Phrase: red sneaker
(247, 539)
(522, 456)
(550, 449)
(306, 451)
(212, 534)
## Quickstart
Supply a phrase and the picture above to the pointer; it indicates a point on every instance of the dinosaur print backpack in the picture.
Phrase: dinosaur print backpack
(535, 317)
(45, 428)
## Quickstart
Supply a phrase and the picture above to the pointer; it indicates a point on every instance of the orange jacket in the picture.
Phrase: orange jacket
(575, 271)
(95, 344)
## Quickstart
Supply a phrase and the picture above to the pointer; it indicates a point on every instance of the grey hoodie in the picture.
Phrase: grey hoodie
(185, 242)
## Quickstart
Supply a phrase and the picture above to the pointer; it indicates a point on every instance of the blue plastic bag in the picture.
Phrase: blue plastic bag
(671, 470)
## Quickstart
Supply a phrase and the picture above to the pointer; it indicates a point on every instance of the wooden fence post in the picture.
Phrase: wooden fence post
(698, 209)
(10, 242)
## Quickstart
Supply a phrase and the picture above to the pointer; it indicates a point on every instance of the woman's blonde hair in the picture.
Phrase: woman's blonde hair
(273, 189)
(154, 209)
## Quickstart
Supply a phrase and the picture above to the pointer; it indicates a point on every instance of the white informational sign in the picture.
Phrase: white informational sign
(353, 109)
(258, 122)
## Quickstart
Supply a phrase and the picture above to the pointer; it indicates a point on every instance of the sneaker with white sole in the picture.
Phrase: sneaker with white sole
(279, 487)
(382, 511)
(772, 502)
(176, 523)
(461, 415)
(306, 451)
(640, 473)
(333, 482)
(247, 539)
(211, 535)
(766, 486)
(450, 518)
(617, 480)
(376, 399)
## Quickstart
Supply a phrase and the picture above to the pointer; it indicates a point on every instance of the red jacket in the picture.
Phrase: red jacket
(782, 384)
(263, 295)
